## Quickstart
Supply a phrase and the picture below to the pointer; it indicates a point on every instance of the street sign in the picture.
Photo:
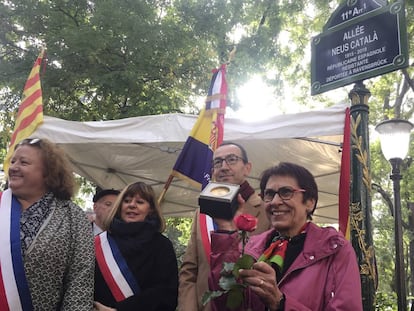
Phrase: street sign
(360, 42)
(352, 9)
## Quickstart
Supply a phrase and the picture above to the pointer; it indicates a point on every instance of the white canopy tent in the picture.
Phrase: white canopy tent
(115, 153)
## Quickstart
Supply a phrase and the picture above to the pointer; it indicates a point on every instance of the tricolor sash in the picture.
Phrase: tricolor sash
(14, 289)
(207, 225)
(114, 268)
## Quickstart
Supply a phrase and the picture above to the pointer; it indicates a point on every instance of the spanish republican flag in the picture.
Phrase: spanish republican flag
(194, 162)
(30, 113)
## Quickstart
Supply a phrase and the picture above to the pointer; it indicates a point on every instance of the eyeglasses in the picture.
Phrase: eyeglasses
(230, 159)
(285, 193)
(29, 141)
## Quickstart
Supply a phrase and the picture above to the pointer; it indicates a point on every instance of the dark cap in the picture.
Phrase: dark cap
(103, 193)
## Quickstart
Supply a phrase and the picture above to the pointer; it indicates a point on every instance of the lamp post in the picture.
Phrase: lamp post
(395, 138)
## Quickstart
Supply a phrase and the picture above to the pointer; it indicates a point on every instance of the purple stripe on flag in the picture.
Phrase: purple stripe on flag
(212, 85)
(194, 161)
(213, 81)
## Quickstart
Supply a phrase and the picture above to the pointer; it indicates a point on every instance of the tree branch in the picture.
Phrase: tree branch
(409, 81)
(385, 196)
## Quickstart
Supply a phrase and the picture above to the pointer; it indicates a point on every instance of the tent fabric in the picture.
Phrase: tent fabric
(115, 153)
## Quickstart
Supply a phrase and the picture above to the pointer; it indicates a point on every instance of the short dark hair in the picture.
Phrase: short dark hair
(303, 176)
(242, 150)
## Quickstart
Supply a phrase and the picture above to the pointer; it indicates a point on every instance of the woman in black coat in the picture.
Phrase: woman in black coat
(136, 266)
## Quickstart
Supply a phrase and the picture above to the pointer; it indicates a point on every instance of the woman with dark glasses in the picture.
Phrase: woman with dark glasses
(298, 265)
(46, 243)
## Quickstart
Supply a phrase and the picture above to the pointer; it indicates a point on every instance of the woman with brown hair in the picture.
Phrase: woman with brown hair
(46, 258)
(136, 264)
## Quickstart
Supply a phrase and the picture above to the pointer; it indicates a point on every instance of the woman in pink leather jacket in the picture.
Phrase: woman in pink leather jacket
(300, 266)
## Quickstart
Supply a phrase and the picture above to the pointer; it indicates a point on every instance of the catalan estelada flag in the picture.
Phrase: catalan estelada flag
(30, 113)
(194, 162)
(344, 181)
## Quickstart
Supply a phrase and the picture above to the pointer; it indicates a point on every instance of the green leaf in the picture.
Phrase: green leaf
(244, 262)
(234, 298)
(227, 282)
(227, 268)
(209, 295)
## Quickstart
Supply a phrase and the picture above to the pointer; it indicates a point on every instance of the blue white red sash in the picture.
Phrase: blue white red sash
(114, 268)
(14, 290)
(207, 225)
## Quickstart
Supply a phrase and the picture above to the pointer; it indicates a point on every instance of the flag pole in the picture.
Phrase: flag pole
(164, 190)
(231, 55)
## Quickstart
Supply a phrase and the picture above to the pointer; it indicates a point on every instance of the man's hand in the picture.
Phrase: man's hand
(229, 225)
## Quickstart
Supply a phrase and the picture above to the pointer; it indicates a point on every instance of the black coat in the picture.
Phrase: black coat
(151, 258)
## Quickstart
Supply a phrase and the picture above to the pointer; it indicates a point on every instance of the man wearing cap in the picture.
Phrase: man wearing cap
(102, 205)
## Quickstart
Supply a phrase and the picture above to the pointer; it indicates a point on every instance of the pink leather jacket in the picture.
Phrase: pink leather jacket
(324, 276)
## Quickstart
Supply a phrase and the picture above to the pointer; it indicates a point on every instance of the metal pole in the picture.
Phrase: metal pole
(399, 249)
(360, 194)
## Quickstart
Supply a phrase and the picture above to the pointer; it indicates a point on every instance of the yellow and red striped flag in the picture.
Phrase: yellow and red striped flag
(30, 113)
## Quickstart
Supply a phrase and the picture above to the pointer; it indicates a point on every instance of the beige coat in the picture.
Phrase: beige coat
(60, 263)
(194, 272)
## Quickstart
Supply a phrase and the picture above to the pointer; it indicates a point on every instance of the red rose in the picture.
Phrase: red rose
(246, 222)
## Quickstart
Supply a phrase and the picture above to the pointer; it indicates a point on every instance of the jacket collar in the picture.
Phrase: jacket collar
(319, 243)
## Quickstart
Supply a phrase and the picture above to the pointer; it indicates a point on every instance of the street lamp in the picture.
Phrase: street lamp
(395, 139)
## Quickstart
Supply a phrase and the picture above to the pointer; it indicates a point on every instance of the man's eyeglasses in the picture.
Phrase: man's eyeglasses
(230, 159)
(285, 193)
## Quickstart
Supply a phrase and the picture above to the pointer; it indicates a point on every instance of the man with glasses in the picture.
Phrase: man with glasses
(230, 165)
